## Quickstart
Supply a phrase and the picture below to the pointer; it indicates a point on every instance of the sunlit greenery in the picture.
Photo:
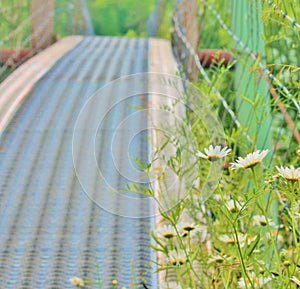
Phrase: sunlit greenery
(126, 17)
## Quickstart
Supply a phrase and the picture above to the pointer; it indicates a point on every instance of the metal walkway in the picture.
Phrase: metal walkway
(50, 230)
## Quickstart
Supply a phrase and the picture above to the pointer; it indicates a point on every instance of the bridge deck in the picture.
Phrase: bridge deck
(50, 229)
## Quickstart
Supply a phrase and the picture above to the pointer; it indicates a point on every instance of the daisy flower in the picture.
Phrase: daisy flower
(218, 259)
(77, 282)
(233, 206)
(251, 239)
(186, 226)
(297, 209)
(220, 198)
(231, 240)
(250, 160)
(214, 153)
(287, 263)
(226, 239)
(261, 220)
(167, 231)
(177, 257)
(257, 282)
(289, 173)
(295, 280)
(275, 235)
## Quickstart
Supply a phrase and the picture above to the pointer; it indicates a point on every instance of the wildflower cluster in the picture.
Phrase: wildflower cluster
(245, 236)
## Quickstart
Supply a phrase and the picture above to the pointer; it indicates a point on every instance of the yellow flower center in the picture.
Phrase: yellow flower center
(169, 235)
(251, 164)
(213, 158)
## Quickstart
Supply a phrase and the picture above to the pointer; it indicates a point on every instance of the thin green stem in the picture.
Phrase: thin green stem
(186, 253)
(242, 259)
(99, 276)
(293, 203)
(178, 275)
(238, 243)
(262, 208)
(255, 179)
(272, 240)
(189, 241)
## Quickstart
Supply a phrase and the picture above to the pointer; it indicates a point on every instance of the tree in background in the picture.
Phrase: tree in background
(121, 17)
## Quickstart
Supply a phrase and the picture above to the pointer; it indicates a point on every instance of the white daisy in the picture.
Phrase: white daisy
(186, 226)
(231, 240)
(218, 259)
(214, 153)
(295, 280)
(251, 239)
(263, 280)
(275, 235)
(297, 209)
(167, 231)
(287, 263)
(220, 198)
(233, 206)
(257, 282)
(289, 173)
(226, 239)
(77, 282)
(196, 232)
(261, 220)
(286, 254)
(242, 283)
(250, 160)
(177, 257)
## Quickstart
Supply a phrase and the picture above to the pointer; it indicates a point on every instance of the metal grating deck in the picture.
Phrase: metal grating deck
(49, 228)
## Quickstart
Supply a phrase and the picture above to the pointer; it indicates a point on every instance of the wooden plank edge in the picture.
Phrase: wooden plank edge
(15, 88)
(161, 60)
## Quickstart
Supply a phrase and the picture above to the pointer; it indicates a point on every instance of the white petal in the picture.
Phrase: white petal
(201, 155)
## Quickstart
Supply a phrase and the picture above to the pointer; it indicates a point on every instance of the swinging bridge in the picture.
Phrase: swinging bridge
(50, 229)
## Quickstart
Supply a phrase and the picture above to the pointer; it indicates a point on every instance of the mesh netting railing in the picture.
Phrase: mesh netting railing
(243, 55)
(26, 28)
(248, 55)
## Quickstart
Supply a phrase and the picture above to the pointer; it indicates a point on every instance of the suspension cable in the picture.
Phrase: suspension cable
(195, 56)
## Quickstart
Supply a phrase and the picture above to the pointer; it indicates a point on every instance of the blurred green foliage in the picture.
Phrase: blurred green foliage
(12, 14)
(129, 18)
(165, 26)
(121, 17)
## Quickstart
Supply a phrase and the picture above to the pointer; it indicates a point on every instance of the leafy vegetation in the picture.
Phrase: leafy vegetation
(126, 17)
(246, 235)
(12, 14)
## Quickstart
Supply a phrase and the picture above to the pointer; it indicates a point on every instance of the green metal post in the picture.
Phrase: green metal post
(249, 83)
(247, 25)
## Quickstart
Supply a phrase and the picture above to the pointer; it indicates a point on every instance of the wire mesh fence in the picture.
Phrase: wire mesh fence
(248, 55)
